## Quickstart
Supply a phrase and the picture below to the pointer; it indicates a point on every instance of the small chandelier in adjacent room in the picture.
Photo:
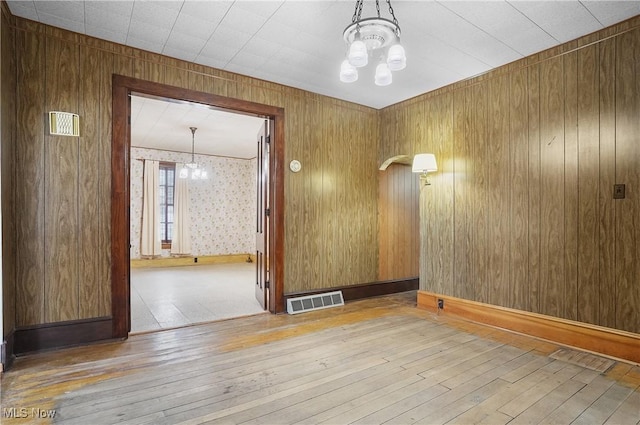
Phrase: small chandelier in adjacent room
(192, 170)
(377, 37)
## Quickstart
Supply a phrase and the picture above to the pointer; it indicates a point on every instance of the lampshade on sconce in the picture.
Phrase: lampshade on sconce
(424, 163)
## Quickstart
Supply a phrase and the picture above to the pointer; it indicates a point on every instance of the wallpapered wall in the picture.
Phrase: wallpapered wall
(222, 207)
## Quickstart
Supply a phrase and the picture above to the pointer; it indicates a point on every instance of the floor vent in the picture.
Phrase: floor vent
(582, 359)
(314, 302)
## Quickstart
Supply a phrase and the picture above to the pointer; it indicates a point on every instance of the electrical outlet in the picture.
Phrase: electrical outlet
(440, 303)
(618, 191)
(195, 259)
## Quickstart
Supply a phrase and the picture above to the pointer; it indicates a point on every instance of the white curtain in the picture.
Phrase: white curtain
(150, 244)
(181, 238)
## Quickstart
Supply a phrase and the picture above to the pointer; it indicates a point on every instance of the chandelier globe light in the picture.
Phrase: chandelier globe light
(348, 72)
(377, 37)
(383, 75)
(396, 58)
(192, 170)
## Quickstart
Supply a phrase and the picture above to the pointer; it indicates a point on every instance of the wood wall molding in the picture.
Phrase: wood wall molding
(200, 260)
(598, 339)
(7, 355)
(366, 290)
(62, 334)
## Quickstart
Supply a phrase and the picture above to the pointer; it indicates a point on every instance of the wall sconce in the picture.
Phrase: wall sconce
(424, 163)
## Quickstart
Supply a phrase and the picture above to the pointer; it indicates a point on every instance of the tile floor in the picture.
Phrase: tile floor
(170, 297)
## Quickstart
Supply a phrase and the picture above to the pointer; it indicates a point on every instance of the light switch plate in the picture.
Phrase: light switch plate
(618, 191)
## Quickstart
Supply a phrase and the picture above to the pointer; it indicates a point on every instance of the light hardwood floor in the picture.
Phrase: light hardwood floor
(369, 362)
(170, 297)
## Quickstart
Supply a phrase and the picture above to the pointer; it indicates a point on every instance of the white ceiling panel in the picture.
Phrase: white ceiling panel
(194, 26)
(148, 32)
(216, 50)
(259, 46)
(211, 11)
(158, 13)
(185, 42)
(278, 33)
(611, 12)
(449, 58)
(467, 37)
(565, 21)
(97, 16)
(304, 16)
(70, 11)
(122, 8)
(504, 22)
(229, 36)
(25, 10)
(262, 8)
(243, 21)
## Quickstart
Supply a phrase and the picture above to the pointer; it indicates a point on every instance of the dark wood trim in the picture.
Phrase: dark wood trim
(120, 159)
(120, 228)
(7, 355)
(365, 290)
(61, 334)
(598, 339)
(276, 223)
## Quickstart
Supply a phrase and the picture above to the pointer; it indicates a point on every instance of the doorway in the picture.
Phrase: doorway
(123, 87)
(208, 273)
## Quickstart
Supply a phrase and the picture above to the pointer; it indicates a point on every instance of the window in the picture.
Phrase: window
(167, 186)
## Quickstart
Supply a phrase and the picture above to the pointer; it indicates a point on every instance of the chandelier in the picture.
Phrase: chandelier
(376, 37)
(191, 169)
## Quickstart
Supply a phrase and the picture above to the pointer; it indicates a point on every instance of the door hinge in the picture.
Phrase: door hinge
(267, 212)
(269, 138)
(266, 285)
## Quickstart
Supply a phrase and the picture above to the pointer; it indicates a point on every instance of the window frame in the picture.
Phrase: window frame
(165, 167)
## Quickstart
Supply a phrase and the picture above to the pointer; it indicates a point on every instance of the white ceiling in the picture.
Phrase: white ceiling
(160, 124)
(299, 43)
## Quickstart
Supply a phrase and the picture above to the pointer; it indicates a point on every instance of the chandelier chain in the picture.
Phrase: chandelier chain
(393, 15)
(193, 144)
(357, 12)
(378, 7)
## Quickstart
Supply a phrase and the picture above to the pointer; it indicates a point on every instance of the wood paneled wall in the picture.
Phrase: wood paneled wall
(521, 212)
(7, 165)
(398, 223)
(331, 204)
(63, 221)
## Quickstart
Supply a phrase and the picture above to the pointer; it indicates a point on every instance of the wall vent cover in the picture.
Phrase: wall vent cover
(314, 302)
(64, 124)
